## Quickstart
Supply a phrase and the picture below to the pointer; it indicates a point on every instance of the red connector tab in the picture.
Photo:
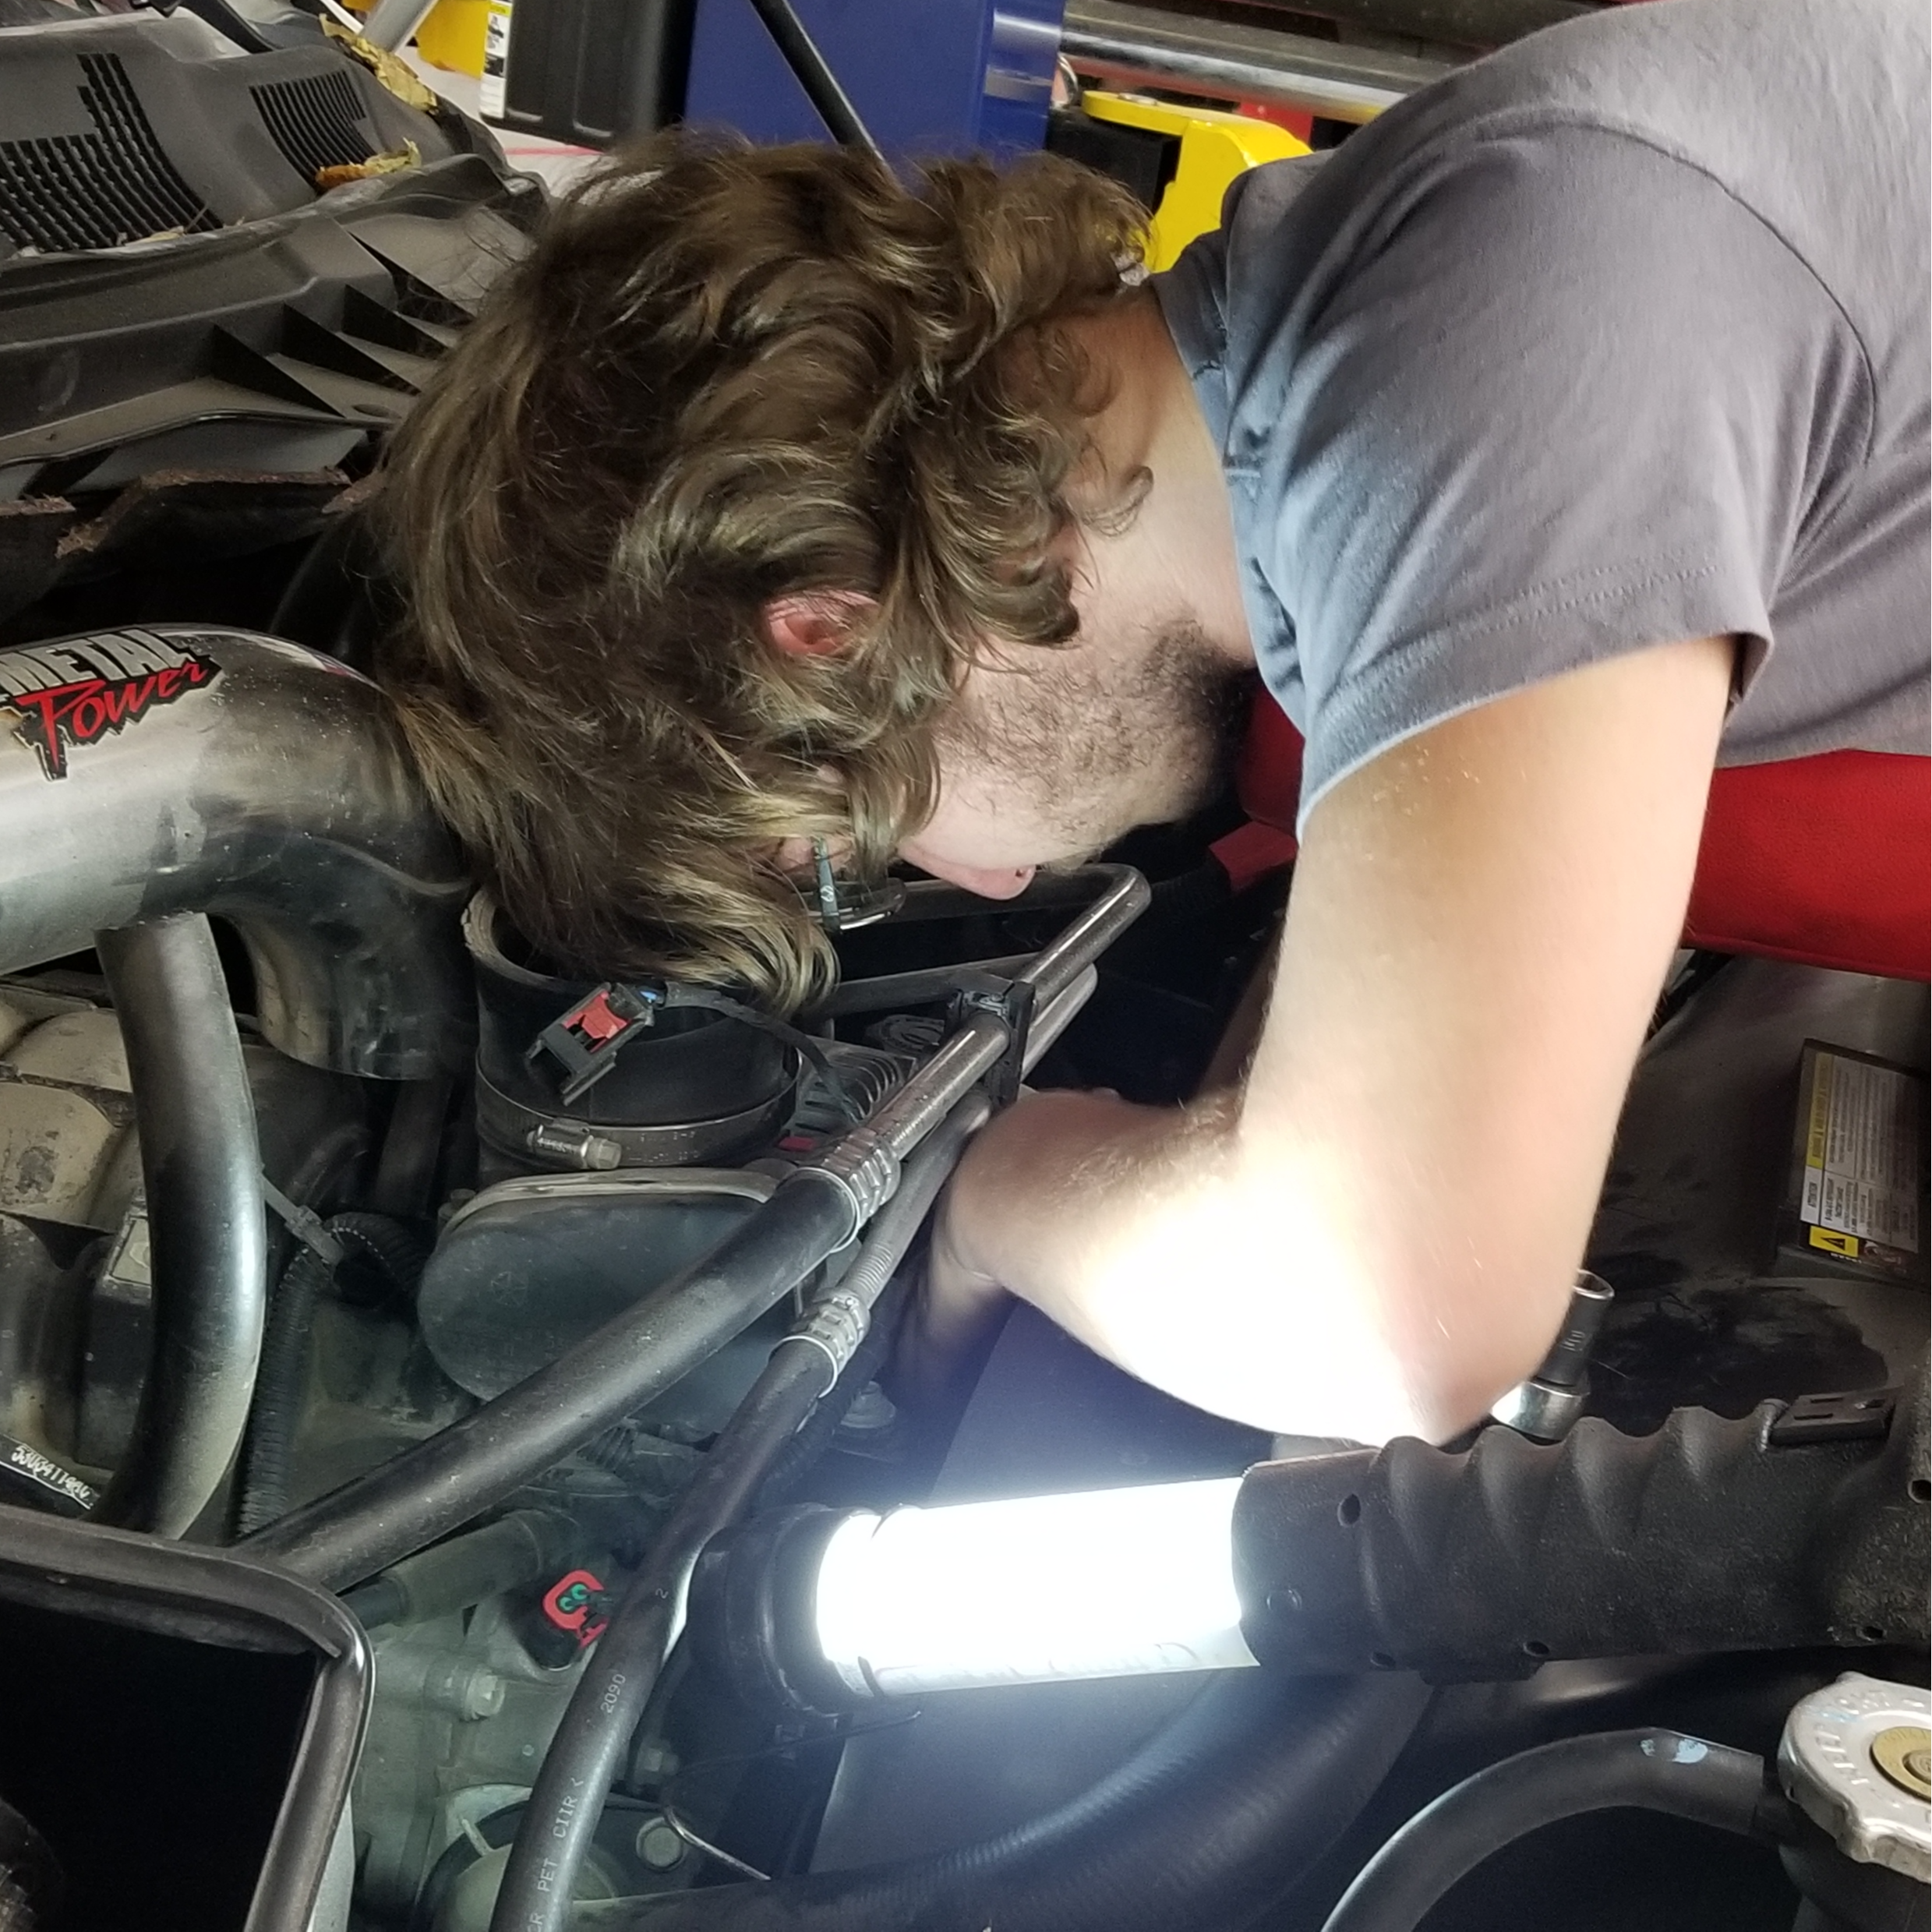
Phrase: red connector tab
(575, 1605)
(586, 1041)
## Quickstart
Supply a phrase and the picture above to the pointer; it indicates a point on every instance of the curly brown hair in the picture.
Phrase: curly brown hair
(723, 375)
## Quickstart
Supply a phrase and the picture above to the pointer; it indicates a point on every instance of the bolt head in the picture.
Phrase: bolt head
(659, 1846)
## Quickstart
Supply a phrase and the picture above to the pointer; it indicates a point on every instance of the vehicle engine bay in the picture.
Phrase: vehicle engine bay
(396, 1334)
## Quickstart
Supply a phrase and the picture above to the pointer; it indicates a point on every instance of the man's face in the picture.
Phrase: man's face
(1050, 755)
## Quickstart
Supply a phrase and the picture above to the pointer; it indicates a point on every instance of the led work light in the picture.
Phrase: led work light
(1481, 1563)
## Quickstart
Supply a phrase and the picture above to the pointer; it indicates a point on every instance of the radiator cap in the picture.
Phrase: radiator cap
(1854, 1759)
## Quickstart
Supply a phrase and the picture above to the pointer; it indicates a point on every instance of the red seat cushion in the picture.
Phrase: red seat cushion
(1826, 860)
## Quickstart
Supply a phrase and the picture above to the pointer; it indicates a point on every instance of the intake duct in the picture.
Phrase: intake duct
(151, 772)
(698, 1090)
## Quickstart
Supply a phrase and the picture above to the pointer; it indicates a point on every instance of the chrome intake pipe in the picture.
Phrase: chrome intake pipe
(151, 772)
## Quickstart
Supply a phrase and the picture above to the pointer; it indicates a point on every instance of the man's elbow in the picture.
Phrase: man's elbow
(1457, 1345)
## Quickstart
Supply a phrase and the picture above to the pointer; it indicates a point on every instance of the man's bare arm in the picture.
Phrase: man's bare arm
(1377, 1236)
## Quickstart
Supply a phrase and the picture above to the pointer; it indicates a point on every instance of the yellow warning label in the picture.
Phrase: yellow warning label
(1820, 1112)
(1833, 1242)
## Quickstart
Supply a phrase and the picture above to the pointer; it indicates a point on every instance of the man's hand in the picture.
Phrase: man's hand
(961, 1300)
(1378, 1234)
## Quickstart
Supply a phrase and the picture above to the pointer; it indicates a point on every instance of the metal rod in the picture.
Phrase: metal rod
(390, 23)
(905, 1118)
(202, 1171)
(1051, 1018)
(920, 988)
(1142, 47)
(1126, 897)
(934, 899)
(1065, 976)
(833, 105)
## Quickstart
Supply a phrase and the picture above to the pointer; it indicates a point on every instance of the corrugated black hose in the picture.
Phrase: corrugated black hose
(396, 1254)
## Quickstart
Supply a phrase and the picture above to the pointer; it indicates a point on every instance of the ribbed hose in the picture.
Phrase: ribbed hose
(1205, 1826)
(392, 1248)
(261, 1486)
(397, 1254)
(1649, 1770)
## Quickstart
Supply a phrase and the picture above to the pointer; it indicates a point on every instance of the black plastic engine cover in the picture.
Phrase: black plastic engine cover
(118, 128)
(200, 348)
(534, 1266)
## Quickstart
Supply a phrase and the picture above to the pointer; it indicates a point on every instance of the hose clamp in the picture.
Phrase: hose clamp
(834, 1324)
(863, 1167)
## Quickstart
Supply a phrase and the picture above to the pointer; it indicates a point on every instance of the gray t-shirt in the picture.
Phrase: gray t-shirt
(1617, 338)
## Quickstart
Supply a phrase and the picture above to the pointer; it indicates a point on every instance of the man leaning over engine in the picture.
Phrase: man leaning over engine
(1563, 435)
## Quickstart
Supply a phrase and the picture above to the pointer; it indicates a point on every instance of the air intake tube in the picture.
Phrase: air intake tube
(152, 777)
(152, 772)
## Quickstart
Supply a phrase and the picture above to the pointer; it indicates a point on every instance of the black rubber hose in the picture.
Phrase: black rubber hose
(872, 1281)
(208, 1239)
(609, 1701)
(397, 1255)
(539, 1880)
(1207, 1825)
(1648, 1770)
(803, 1453)
(420, 1496)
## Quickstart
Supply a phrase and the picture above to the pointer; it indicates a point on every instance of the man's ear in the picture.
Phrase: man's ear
(814, 623)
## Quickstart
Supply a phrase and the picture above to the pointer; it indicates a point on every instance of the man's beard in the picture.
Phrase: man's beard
(1100, 752)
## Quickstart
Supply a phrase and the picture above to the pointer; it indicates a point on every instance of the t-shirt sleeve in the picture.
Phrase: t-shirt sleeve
(1569, 400)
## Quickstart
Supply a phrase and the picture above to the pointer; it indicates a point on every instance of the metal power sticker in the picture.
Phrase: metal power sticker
(87, 689)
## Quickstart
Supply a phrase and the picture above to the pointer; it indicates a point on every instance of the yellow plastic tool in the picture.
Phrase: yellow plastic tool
(452, 37)
(1215, 147)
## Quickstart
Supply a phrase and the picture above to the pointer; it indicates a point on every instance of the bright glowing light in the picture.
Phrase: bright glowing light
(1107, 1583)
